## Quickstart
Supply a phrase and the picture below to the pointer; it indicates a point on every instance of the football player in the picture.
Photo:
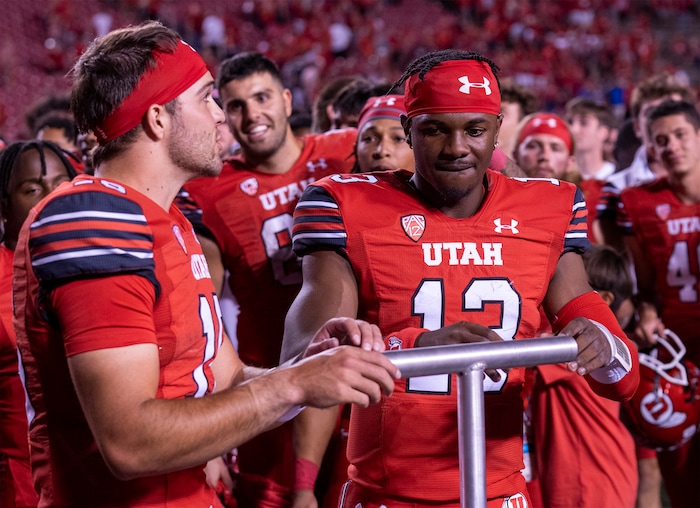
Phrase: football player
(457, 254)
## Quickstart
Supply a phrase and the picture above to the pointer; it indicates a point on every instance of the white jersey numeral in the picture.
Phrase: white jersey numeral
(276, 235)
(212, 331)
(679, 273)
(429, 304)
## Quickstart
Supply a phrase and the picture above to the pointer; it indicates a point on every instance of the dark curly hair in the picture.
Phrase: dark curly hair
(425, 63)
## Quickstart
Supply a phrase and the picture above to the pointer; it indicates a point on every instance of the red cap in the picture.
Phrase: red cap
(385, 106)
(455, 86)
(173, 74)
(546, 123)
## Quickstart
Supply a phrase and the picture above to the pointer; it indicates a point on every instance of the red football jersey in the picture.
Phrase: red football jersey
(96, 231)
(416, 267)
(250, 216)
(592, 190)
(16, 488)
(585, 455)
(669, 233)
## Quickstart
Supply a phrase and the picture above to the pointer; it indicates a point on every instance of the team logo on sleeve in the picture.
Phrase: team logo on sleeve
(250, 186)
(395, 343)
(179, 238)
(413, 226)
(663, 211)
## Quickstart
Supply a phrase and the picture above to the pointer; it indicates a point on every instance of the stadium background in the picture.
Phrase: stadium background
(560, 49)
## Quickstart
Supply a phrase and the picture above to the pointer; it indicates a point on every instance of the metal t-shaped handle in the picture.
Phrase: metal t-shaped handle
(469, 361)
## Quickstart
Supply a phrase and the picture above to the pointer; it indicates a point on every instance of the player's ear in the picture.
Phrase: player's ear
(155, 121)
(607, 296)
(406, 124)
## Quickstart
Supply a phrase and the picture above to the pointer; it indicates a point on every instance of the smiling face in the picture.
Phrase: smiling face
(28, 185)
(677, 144)
(257, 111)
(452, 153)
(381, 146)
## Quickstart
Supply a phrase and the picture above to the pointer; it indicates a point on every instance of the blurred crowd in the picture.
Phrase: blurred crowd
(591, 48)
(602, 95)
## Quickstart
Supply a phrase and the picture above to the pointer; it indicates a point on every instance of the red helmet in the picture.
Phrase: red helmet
(665, 411)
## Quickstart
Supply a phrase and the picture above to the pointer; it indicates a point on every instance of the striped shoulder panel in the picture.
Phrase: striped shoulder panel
(91, 233)
(608, 202)
(624, 219)
(318, 224)
(193, 212)
(576, 238)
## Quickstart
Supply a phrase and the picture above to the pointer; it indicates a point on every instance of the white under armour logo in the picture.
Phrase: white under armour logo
(389, 101)
(551, 122)
(468, 85)
(512, 227)
(311, 165)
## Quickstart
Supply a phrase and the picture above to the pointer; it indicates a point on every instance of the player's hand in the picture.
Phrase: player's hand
(304, 498)
(593, 347)
(344, 374)
(461, 332)
(346, 331)
(218, 477)
(648, 326)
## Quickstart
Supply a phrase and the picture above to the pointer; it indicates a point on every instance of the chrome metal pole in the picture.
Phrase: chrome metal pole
(472, 441)
(469, 361)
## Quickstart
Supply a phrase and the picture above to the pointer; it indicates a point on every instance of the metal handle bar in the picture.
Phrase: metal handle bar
(469, 362)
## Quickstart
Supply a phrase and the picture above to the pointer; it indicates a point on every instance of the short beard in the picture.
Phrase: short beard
(182, 149)
(255, 157)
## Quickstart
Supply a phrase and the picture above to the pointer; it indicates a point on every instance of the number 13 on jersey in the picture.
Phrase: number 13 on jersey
(429, 302)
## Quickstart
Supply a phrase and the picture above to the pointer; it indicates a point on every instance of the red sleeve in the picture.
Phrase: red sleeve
(591, 306)
(104, 312)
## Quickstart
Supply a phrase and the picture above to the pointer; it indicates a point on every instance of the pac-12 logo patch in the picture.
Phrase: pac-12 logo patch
(250, 186)
(413, 226)
(663, 211)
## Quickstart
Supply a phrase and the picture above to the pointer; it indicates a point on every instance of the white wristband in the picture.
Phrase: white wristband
(292, 413)
(620, 363)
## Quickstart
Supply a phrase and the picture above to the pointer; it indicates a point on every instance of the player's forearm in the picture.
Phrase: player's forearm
(166, 435)
(329, 291)
(313, 429)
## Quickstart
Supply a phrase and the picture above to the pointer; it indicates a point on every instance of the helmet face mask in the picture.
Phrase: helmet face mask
(664, 413)
(670, 365)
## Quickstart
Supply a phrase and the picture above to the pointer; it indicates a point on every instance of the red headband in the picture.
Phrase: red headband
(386, 106)
(173, 74)
(546, 123)
(455, 86)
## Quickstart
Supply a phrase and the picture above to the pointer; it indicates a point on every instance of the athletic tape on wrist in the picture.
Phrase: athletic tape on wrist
(620, 362)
